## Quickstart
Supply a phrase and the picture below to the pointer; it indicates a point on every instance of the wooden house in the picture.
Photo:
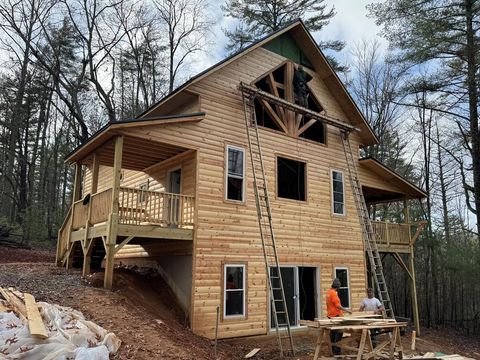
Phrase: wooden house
(174, 187)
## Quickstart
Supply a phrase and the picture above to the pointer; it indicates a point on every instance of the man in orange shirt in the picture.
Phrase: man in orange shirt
(334, 309)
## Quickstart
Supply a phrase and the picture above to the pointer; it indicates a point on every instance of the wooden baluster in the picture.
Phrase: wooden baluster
(387, 237)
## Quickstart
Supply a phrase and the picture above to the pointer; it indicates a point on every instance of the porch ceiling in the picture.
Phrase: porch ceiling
(138, 153)
(373, 195)
(382, 184)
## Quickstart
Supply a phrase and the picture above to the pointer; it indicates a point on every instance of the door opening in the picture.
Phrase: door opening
(300, 286)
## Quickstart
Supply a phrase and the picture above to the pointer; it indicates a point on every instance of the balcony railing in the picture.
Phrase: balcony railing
(145, 207)
(136, 207)
(392, 233)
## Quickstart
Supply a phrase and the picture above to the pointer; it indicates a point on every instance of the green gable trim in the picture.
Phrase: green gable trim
(286, 46)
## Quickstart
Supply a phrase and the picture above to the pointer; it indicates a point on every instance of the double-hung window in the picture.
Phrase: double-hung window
(235, 181)
(338, 193)
(344, 291)
(234, 290)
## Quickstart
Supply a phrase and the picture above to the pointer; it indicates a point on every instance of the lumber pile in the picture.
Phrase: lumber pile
(354, 319)
(43, 331)
(24, 305)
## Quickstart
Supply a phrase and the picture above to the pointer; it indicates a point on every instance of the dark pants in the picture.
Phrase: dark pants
(334, 337)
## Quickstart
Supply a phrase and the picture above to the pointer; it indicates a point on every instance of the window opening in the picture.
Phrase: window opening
(338, 193)
(234, 287)
(235, 173)
(143, 195)
(290, 179)
(344, 290)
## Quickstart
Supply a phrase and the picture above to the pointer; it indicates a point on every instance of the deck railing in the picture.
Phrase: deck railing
(392, 233)
(146, 207)
(136, 207)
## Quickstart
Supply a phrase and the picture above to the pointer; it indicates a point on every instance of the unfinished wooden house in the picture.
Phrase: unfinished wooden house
(175, 188)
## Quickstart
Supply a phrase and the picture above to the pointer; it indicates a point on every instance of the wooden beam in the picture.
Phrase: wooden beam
(251, 90)
(123, 243)
(15, 302)
(77, 183)
(274, 90)
(35, 322)
(420, 227)
(305, 126)
(416, 317)
(87, 257)
(399, 260)
(289, 96)
(274, 115)
(113, 218)
(95, 171)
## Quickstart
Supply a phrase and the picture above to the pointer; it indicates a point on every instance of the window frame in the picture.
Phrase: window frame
(305, 178)
(345, 287)
(332, 192)
(227, 175)
(143, 197)
(225, 290)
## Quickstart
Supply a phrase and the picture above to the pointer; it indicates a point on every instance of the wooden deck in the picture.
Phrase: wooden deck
(141, 214)
(396, 238)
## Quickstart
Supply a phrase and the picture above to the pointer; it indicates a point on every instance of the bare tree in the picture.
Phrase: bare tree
(187, 24)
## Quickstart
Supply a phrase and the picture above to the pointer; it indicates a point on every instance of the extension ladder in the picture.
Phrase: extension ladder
(278, 302)
(375, 261)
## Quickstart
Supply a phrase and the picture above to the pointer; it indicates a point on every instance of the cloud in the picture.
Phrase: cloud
(350, 24)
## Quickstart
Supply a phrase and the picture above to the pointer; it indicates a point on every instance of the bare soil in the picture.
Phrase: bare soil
(142, 312)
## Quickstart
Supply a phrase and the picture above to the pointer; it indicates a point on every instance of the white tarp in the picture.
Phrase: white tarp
(70, 337)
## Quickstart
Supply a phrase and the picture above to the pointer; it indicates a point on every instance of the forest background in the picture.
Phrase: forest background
(70, 66)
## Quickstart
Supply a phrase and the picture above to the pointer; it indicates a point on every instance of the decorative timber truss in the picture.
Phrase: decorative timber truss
(278, 116)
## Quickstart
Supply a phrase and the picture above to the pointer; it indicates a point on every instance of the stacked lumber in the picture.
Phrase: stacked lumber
(354, 319)
(24, 305)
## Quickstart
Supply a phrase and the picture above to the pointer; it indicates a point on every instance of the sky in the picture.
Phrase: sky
(350, 24)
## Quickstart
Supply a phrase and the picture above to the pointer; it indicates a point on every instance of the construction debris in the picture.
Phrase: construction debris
(433, 355)
(35, 331)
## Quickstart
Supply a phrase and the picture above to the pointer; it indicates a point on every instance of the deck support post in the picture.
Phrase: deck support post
(87, 251)
(112, 226)
(416, 319)
(77, 183)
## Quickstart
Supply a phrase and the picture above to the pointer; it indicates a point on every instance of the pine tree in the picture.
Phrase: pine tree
(258, 18)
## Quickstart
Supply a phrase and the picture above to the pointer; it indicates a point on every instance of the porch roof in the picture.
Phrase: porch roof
(138, 153)
(382, 184)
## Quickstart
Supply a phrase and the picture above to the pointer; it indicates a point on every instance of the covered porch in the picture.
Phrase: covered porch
(113, 204)
(382, 186)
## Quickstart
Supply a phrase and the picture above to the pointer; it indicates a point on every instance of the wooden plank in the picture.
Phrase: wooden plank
(252, 353)
(35, 322)
(15, 302)
(3, 308)
(274, 116)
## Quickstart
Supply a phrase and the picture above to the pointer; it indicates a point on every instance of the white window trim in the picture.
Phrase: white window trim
(225, 316)
(348, 285)
(233, 147)
(343, 191)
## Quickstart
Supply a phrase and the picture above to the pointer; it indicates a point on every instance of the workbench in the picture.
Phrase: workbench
(358, 344)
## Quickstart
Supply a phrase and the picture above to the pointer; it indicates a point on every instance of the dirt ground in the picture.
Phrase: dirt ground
(141, 312)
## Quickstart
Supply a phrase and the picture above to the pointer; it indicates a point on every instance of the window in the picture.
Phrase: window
(338, 193)
(142, 198)
(235, 182)
(344, 291)
(234, 287)
(290, 179)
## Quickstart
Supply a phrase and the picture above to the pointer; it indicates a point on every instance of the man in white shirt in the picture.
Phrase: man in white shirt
(371, 303)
